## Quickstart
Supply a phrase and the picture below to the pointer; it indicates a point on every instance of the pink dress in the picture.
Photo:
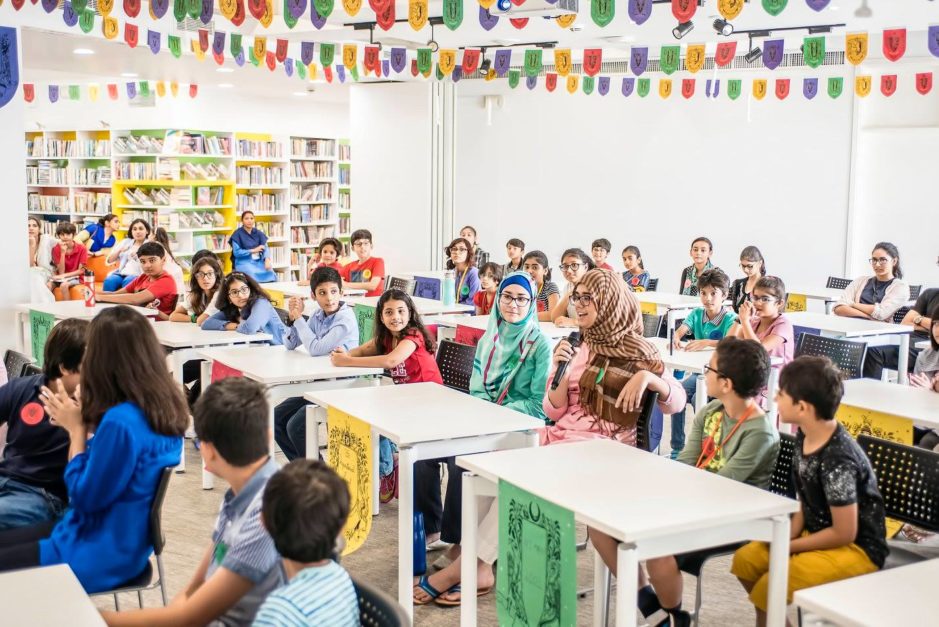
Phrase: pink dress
(572, 424)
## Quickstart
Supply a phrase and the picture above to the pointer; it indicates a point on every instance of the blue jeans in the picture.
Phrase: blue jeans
(115, 281)
(386, 460)
(23, 505)
(690, 383)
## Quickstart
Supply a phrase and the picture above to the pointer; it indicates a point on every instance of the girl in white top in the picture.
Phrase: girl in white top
(574, 265)
(126, 251)
(876, 297)
(204, 281)
(40, 261)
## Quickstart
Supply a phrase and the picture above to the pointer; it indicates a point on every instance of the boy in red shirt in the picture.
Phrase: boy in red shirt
(368, 273)
(68, 266)
(154, 288)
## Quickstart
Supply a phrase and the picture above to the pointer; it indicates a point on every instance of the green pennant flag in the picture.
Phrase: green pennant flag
(79, 5)
(813, 51)
(642, 87)
(74, 92)
(669, 59)
(323, 8)
(424, 60)
(86, 20)
(179, 10)
(144, 89)
(533, 62)
(734, 88)
(774, 7)
(40, 325)
(514, 75)
(289, 19)
(251, 57)
(439, 73)
(588, 84)
(176, 45)
(194, 8)
(602, 11)
(355, 72)
(301, 69)
(452, 13)
(234, 45)
(327, 52)
(835, 86)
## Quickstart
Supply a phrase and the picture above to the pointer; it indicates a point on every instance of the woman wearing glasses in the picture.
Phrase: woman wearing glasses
(461, 260)
(574, 265)
(246, 308)
(876, 297)
(754, 268)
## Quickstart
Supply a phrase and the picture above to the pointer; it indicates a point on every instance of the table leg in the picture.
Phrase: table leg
(176, 367)
(23, 337)
(771, 395)
(205, 377)
(627, 585)
(315, 416)
(778, 572)
(670, 321)
(601, 575)
(376, 476)
(406, 458)
(700, 394)
(904, 361)
(468, 551)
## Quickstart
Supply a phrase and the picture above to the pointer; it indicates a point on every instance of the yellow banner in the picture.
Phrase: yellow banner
(862, 86)
(855, 47)
(562, 61)
(350, 54)
(759, 88)
(797, 302)
(161, 89)
(566, 21)
(694, 58)
(109, 27)
(351, 6)
(268, 17)
(311, 71)
(729, 9)
(198, 51)
(665, 87)
(447, 60)
(486, 3)
(93, 93)
(105, 7)
(174, 88)
(417, 14)
(350, 454)
(572, 82)
(228, 8)
(260, 47)
(649, 308)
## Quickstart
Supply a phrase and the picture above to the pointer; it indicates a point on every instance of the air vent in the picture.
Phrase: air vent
(194, 25)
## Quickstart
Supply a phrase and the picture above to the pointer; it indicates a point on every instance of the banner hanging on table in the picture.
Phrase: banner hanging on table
(350, 455)
(40, 323)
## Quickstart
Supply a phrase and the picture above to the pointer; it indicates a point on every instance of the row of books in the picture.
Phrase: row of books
(130, 171)
(311, 169)
(186, 143)
(310, 234)
(345, 177)
(345, 200)
(345, 152)
(279, 255)
(300, 147)
(259, 202)
(92, 176)
(345, 225)
(209, 242)
(310, 192)
(46, 204)
(46, 173)
(268, 150)
(91, 202)
(129, 215)
(82, 148)
(191, 220)
(259, 175)
(138, 145)
(309, 213)
(204, 172)
(271, 229)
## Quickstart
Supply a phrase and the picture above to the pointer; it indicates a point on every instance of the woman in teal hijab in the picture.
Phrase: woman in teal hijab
(510, 369)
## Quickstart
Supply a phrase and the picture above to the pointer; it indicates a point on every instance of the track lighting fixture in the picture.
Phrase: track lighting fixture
(682, 29)
(723, 27)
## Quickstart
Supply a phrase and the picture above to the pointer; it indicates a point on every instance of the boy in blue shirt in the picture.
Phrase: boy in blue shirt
(332, 325)
(305, 508)
(708, 325)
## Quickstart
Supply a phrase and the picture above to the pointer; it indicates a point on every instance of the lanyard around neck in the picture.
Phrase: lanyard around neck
(709, 449)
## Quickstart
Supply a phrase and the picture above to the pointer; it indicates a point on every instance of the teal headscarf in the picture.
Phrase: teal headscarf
(505, 345)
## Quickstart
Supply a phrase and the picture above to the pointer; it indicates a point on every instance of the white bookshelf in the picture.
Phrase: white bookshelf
(344, 197)
(261, 185)
(312, 193)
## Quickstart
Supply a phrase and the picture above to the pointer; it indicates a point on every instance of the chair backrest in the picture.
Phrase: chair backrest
(156, 511)
(651, 324)
(908, 480)
(837, 283)
(30, 370)
(782, 482)
(644, 423)
(455, 362)
(399, 283)
(914, 291)
(900, 314)
(15, 362)
(283, 315)
(377, 609)
(847, 356)
(653, 285)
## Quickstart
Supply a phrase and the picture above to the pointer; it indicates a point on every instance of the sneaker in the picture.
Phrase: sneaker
(388, 486)
(674, 454)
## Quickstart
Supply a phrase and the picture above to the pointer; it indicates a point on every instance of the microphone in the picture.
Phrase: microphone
(574, 339)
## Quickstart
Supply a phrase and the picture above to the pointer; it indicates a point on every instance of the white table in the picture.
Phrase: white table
(898, 596)
(683, 509)
(63, 310)
(426, 421)
(672, 304)
(285, 374)
(828, 295)
(917, 404)
(872, 332)
(49, 596)
(550, 330)
(425, 306)
(293, 288)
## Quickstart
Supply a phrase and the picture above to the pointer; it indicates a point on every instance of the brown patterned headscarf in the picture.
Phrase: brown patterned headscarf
(618, 349)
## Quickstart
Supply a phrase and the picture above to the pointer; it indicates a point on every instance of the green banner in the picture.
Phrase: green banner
(175, 45)
(324, 8)
(327, 52)
(533, 62)
(452, 13)
(424, 60)
(835, 86)
(74, 92)
(669, 59)
(144, 89)
(537, 578)
(179, 10)
(514, 75)
(602, 11)
(734, 88)
(774, 7)
(301, 69)
(588, 84)
(40, 325)
(365, 316)
(642, 87)
(813, 51)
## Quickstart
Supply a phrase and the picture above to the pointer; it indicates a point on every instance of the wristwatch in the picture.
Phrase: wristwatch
(917, 320)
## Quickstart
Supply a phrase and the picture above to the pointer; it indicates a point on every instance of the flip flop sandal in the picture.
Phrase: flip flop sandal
(456, 588)
(431, 591)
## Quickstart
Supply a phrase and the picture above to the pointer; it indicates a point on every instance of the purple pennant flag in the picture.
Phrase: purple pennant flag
(153, 40)
(773, 50)
(486, 19)
(629, 83)
(457, 73)
(385, 67)
(707, 88)
(501, 62)
(318, 21)
(288, 66)
(639, 10)
(399, 59)
(817, 5)
(933, 36)
(69, 15)
(638, 60)
(240, 58)
(341, 73)
(712, 88)
(306, 52)
(218, 42)
(132, 90)
(809, 88)
(49, 5)
(603, 85)
(717, 88)
(159, 7)
(531, 82)
(296, 8)
(208, 9)
(53, 93)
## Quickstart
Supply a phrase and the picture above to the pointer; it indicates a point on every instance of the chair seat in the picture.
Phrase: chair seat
(144, 579)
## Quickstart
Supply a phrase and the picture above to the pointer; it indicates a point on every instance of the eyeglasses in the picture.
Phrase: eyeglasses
(573, 267)
(458, 249)
(244, 290)
(764, 299)
(360, 243)
(582, 298)
(707, 368)
(205, 275)
(878, 260)
(519, 301)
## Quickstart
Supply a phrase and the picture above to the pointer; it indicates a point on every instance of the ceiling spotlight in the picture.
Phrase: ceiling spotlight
(723, 27)
(682, 29)
(484, 66)
(863, 10)
(753, 54)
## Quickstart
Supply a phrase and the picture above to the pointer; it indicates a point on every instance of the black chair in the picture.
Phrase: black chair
(837, 283)
(14, 363)
(651, 324)
(644, 422)
(283, 315)
(653, 285)
(399, 283)
(848, 356)
(31, 369)
(455, 362)
(144, 581)
(914, 291)
(908, 480)
(377, 609)
(900, 314)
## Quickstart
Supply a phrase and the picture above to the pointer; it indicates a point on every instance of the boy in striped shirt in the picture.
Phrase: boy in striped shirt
(305, 507)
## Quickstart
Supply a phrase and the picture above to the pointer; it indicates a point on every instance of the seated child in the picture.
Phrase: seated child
(731, 437)
(327, 256)
(240, 565)
(305, 507)
(514, 250)
(68, 259)
(32, 483)
(636, 275)
(536, 265)
(367, 272)
(490, 275)
(600, 250)
(332, 325)
(154, 288)
(701, 251)
(839, 532)
(245, 307)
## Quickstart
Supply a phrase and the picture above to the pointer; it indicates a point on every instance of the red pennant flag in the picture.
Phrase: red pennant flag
(687, 87)
(894, 43)
(29, 92)
(684, 10)
(239, 18)
(385, 15)
(18, 4)
(414, 71)
(888, 84)
(593, 58)
(112, 91)
(726, 52)
(130, 34)
(782, 88)
(203, 39)
(470, 62)
(551, 81)
(257, 8)
(519, 23)
(328, 73)
(281, 50)
(193, 90)
(924, 82)
(219, 58)
(372, 60)
(131, 8)
(270, 60)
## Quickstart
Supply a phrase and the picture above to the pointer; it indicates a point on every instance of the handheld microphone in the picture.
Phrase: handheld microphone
(574, 339)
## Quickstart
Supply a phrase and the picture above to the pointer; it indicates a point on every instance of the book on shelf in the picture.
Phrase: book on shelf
(169, 170)
(345, 176)
(209, 195)
(261, 149)
(279, 255)
(311, 169)
(138, 145)
(208, 242)
(91, 202)
(129, 215)
(205, 172)
(310, 192)
(47, 173)
(259, 202)
(46, 204)
(309, 213)
(345, 152)
(191, 220)
(187, 143)
(310, 234)
(271, 229)
(345, 200)
(133, 171)
(259, 175)
(345, 224)
(91, 176)
(304, 147)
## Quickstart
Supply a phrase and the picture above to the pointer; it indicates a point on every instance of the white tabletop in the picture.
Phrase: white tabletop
(848, 327)
(424, 412)
(666, 299)
(551, 330)
(46, 597)
(918, 404)
(64, 309)
(897, 596)
(293, 288)
(275, 365)
(186, 334)
(692, 361)
(828, 294)
(425, 306)
(680, 499)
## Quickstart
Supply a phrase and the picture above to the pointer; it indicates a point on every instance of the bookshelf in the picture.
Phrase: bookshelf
(261, 186)
(345, 196)
(312, 198)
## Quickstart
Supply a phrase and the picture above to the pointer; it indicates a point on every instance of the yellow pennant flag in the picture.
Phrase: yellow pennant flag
(759, 88)
(260, 47)
(447, 61)
(486, 3)
(729, 9)
(350, 53)
(197, 50)
(665, 87)
(161, 89)
(694, 58)
(566, 21)
(350, 455)
(417, 14)
(109, 27)
(227, 8)
(351, 7)
(174, 88)
(311, 71)
(491, 74)
(93, 93)
(562, 61)
(268, 16)
(105, 7)
(572, 81)
(862, 86)
(855, 47)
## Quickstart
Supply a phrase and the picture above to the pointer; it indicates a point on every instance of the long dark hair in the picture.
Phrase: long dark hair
(232, 313)
(470, 257)
(102, 222)
(161, 236)
(146, 226)
(635, 250)
(383, 336)
(752, 253)
(199, 299)
(542, 259)
(585, 259)
(116, 371)
(894, 252)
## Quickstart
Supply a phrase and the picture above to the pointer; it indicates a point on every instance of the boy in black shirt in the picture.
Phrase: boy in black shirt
(840, 530)
(32, 489)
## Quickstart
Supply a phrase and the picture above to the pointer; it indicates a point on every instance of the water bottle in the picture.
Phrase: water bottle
(420, 545)
(88, 279)
(448, 288)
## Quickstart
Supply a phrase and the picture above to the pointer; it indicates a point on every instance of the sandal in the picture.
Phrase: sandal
(388, 486)
(424, 585)
(456, 603)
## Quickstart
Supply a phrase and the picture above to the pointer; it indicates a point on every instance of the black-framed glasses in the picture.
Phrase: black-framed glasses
(707, 368)
(459, 249)
(764, 299)
(205, 275)
(244, 290)
(582, 298)
(573, 267)
(519, 301)
(878, 260)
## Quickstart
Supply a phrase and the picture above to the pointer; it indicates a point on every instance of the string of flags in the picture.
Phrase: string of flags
(132, 90)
